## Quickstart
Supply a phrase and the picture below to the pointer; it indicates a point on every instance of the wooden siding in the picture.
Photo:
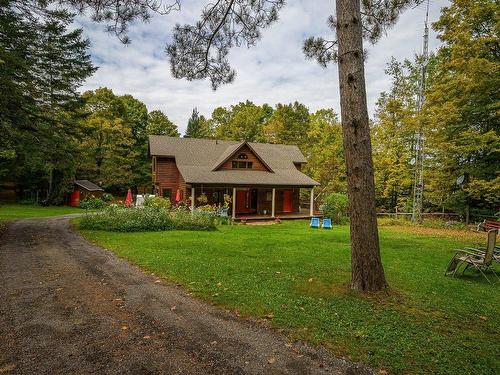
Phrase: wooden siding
(257, 164)
(169, 177)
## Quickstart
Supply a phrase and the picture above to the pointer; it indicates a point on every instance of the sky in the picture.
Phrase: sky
(273, 71)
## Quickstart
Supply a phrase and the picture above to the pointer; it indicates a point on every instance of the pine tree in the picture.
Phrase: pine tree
(44, 66)
(201, 51)
(197, 126)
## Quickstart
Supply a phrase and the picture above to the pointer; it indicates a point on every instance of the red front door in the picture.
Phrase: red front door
(287, 201)
(241, 201)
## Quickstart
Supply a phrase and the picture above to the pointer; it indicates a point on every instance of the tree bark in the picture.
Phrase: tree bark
(367, 270)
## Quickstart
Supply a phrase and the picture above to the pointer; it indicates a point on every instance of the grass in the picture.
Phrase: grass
(297, 278)
(22, 211)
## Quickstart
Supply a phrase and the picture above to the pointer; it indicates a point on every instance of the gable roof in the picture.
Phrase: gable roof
(233, 150)
(88, 185)
(196, 159)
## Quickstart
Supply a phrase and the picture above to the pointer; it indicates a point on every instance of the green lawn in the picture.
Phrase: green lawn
(297, 278)
(21, 211)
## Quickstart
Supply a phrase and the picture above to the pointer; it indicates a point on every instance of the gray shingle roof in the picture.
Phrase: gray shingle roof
(196, 158)
(88, 185)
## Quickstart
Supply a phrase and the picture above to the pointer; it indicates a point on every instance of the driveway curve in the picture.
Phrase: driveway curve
(69, 307)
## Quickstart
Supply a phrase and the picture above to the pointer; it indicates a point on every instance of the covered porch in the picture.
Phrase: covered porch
(257, 202)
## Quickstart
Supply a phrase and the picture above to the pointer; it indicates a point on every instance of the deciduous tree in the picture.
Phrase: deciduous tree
(159, 124)
(463, 106)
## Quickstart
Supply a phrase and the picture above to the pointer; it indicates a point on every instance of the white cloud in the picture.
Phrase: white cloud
(273, 71)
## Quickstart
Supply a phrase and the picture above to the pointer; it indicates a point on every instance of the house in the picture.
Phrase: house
(261, 179)
(83, 189)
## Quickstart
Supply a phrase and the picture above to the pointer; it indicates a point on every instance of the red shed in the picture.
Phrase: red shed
(83, 189)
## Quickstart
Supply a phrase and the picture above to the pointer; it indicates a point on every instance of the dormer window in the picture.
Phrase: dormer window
(242, 164)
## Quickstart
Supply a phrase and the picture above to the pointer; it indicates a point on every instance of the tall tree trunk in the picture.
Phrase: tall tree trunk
(367, 270)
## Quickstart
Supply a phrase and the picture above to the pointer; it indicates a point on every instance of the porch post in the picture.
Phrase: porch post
(192, 199)
(233, 212)
(311, 209)
(273, 203)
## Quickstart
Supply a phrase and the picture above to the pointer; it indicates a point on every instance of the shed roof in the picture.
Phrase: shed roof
(196, 159)
(88, 185)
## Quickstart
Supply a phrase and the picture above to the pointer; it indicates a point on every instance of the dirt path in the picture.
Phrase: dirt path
(67, 306)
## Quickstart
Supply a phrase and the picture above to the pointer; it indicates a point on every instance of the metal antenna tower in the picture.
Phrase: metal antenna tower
(418, 183)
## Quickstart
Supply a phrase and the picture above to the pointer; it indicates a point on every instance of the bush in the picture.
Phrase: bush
(92, 203)
(336, 207)
(107, 197)
(119, 219)
(157, 202)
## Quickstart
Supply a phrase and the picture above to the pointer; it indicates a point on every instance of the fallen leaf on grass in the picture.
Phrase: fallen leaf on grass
(173, 308)
(271, 360)
(124, 328)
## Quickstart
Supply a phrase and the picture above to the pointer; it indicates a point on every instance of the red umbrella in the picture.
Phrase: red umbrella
(128, 200)
(178, 196)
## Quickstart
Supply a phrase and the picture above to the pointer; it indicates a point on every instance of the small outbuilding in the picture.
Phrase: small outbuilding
(83, 189)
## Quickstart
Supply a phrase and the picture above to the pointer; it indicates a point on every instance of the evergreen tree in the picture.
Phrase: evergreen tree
(201, 51)
(197, 127)
(42, 64)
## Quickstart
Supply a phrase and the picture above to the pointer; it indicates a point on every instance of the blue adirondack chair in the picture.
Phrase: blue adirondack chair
(327, 223)
(315, 222)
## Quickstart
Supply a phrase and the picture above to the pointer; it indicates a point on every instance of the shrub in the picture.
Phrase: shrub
(208, 209)
(92, 203)
(202, 199)
(336, 207)
(119, 219)
(157, 202)
(107, 197)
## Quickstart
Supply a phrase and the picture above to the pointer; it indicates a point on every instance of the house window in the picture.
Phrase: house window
(242, 156)
(269, 196)
(242, 164)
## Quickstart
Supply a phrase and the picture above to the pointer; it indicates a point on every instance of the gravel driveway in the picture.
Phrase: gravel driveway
(68, 307)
